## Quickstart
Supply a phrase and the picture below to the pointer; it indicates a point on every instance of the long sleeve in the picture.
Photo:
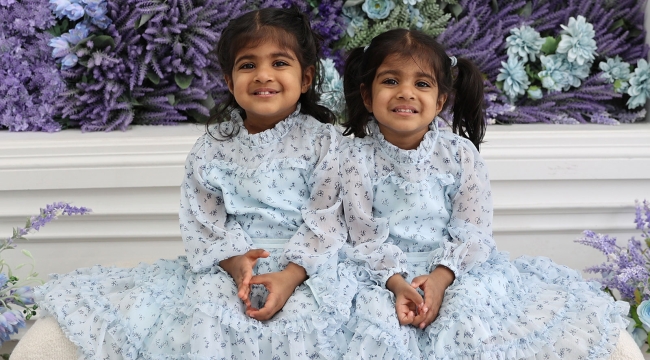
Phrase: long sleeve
(367, 234)
(208, 234)
(470, 224)
(323, 232)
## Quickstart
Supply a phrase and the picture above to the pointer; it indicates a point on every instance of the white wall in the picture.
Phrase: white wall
(549, 184)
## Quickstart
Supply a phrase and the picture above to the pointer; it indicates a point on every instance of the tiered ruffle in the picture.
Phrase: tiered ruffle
(529, 308)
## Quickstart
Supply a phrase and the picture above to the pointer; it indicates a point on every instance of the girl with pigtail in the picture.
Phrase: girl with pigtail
(418, 208)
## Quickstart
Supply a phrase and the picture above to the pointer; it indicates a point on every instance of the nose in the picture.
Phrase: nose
(405, 91)
(263, 74)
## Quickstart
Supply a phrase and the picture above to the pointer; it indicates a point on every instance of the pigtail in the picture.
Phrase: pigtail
(356, 112)
(469, 121)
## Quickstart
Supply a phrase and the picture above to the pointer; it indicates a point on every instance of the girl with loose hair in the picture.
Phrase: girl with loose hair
(261, 221)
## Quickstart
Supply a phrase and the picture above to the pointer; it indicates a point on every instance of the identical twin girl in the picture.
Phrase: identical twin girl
(303, 244)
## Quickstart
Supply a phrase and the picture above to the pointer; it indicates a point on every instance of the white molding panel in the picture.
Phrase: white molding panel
(549, 184)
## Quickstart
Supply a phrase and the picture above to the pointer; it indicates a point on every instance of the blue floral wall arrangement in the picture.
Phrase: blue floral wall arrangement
(107, 64)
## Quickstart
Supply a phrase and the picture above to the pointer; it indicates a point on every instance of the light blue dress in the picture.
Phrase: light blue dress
(408, 211)
(277, 190)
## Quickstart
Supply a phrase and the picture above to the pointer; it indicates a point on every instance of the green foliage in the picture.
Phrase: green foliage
(434, 22)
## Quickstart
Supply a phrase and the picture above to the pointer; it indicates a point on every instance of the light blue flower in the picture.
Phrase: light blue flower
(415, 16)
(73, 12)
(534, 93)
(331, 95)
(615, 69)
(69, 61)
(355, 18)
(3, 280)
(411, 2)
(639, 89)
(578, 41)
(80, 32)
(555, 72)
(96, 9)
(638, 334)
(24, 294)
(61, 47)
(643, 311)
(102, 22)
(524, 42)
(378, 9)
(514, 77)
(58, 6)
(616, 72)
(576, 73)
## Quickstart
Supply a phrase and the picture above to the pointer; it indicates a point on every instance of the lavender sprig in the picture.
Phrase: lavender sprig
(20, 292)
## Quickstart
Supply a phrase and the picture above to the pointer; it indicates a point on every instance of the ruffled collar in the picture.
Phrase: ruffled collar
(422, 152)
(267, 136)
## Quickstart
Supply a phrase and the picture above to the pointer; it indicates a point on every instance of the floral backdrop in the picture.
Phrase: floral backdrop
(107, 64)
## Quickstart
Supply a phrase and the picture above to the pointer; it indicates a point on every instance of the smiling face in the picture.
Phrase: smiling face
(267, 81)
(404, 99)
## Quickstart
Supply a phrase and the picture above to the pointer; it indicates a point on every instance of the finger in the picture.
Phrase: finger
(262, 279)
(405, 316)
(418, 281)
(428, 319)
(266, 312)
(414, 296)
(255, 254)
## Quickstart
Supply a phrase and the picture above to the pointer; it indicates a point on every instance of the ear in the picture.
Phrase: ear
(440, 103)
(228, 82)
(367, 97)
(307, 78)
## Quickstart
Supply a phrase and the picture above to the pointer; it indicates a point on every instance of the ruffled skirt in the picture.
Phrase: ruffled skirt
(166, 311)
(530, 308)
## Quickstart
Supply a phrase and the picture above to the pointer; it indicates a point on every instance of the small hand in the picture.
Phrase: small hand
(434, 286)
(407, 299)
(280, 286)
(240, 268)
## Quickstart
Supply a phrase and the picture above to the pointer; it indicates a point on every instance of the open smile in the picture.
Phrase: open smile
(265, 92)
(405, 110)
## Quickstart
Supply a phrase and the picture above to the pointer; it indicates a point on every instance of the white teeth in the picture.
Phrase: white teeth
(405, 110)
(264, 93)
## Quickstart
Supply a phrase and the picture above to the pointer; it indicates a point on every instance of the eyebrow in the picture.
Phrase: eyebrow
(399, 72)
(273, 55)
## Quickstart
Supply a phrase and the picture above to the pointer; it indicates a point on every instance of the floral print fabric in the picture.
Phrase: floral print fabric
(408, 211)
(276, 190)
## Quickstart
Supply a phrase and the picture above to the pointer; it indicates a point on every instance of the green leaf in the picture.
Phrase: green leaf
(197, 116)
(494, 4)
(208, 102)
(27, 253)
(634, 33)
(499, 85)
(526, 10)
(103, 41)
(84, 78)
(153, 77)
(143, 19)
(637, 296)
(183, 81)
(550, 45)
(171, 99)
(617, 24)
(455, 9)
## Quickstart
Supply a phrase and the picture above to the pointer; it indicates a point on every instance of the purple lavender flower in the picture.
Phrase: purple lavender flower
(10, 322)
(49, 213)
(30, 83)
(626, 269)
